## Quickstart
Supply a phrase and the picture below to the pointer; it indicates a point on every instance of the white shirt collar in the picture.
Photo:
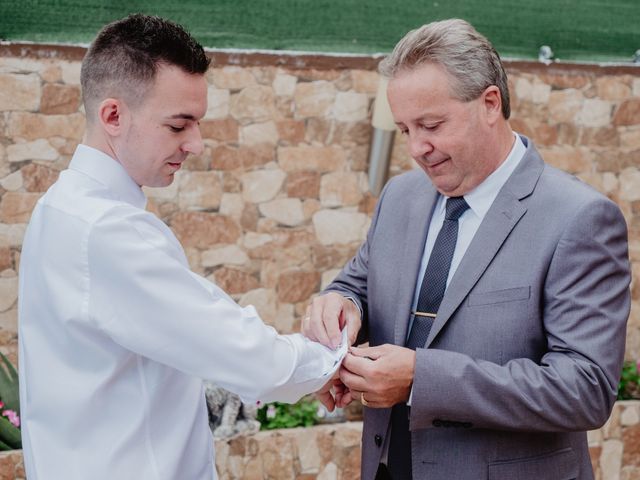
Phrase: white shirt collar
(109, 172)
(481, 197)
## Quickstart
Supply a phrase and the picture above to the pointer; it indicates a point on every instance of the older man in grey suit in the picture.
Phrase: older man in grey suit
(494, 292)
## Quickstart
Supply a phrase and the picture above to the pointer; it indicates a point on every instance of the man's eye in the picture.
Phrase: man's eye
(430, 128)
(176, 129)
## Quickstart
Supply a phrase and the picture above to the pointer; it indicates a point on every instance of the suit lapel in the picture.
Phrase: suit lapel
(418, 217)
(505, 212)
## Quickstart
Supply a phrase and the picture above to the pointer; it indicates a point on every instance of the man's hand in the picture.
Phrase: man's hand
(383, 374)
(327, 316)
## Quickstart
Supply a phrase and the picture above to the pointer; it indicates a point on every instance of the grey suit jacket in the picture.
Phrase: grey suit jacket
(525, 353)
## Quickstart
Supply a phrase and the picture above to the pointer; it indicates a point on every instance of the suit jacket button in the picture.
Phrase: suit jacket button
(378, 440)
(437, 422)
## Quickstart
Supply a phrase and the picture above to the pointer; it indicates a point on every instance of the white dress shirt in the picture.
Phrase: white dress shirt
(116, 333)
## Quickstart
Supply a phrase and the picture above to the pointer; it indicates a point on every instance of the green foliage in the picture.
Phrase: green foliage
(284, 415)
(629, 386)
(10, 437)
(9, 392)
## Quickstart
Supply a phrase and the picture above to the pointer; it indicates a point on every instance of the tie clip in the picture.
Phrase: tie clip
(424, 314)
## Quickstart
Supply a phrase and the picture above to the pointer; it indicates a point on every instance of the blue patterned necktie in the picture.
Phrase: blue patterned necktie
(432, 290)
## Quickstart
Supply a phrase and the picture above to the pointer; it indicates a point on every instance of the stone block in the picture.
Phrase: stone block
(204, 230)
(227, 255)
(567, 158)
(595, 113)
(565, 80)
(630, 184)
(630, 138)
(8, 290)
(39, 149)
(264, 301)
(259, 133)
(564, 105)
(232, 158)
(16, 207)
(234, 281)
(231, 205)
(630, 415)
(20, 92)
(340, 226)
(628, 113)
(11, 235)
(199, 191)
(285, 211)
(218, 101)
(540, 93)
(339, 189)
(365, 81)
(262, 185)
(290, 131)
(631, 439)
(70, 72)
(254, 103)
(284, 85)
(310, 206)
(33, 126)
(303, 185)
(611, 459)
(328, 277)
(60, 99)
(304, 158)
(168, 193)
(51, 73)
(38, 178)
(277, 458)
(297, 286)
(12, 182)
(231, 77)
(612, 88)
(314, 99)
(224, 130)
(351, 107)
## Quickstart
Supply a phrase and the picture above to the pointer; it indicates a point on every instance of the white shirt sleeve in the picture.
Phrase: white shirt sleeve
(142, 293)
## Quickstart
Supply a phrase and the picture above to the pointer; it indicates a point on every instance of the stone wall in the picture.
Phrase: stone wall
(332, 452)
(279, 201)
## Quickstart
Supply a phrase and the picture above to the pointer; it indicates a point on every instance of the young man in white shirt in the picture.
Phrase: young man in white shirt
(116, 332)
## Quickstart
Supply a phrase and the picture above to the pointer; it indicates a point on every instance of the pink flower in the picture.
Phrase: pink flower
(12, 417)
(271, 411)
(1, 404)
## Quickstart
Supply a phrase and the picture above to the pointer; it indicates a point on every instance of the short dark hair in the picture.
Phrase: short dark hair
(467, 56)
(123, 59)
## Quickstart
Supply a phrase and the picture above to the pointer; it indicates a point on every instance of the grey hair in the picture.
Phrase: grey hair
(465, 54)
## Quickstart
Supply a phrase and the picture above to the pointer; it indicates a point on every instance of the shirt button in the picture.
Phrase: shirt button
(378, 440)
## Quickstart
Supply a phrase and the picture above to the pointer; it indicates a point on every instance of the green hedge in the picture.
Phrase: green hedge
(590, 30)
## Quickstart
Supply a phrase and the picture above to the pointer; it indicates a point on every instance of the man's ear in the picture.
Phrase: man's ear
(113, 116)
(492, 102)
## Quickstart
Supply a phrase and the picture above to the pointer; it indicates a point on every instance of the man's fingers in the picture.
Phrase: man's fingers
(371, 353)
(359, 366)
(327, 400)
(352, 380)
(333, 305)
(345, 399)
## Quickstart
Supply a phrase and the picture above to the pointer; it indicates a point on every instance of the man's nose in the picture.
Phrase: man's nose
(194, 143)
(419, 146)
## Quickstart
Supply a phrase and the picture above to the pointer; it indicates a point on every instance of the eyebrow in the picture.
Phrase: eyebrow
(182, 116)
